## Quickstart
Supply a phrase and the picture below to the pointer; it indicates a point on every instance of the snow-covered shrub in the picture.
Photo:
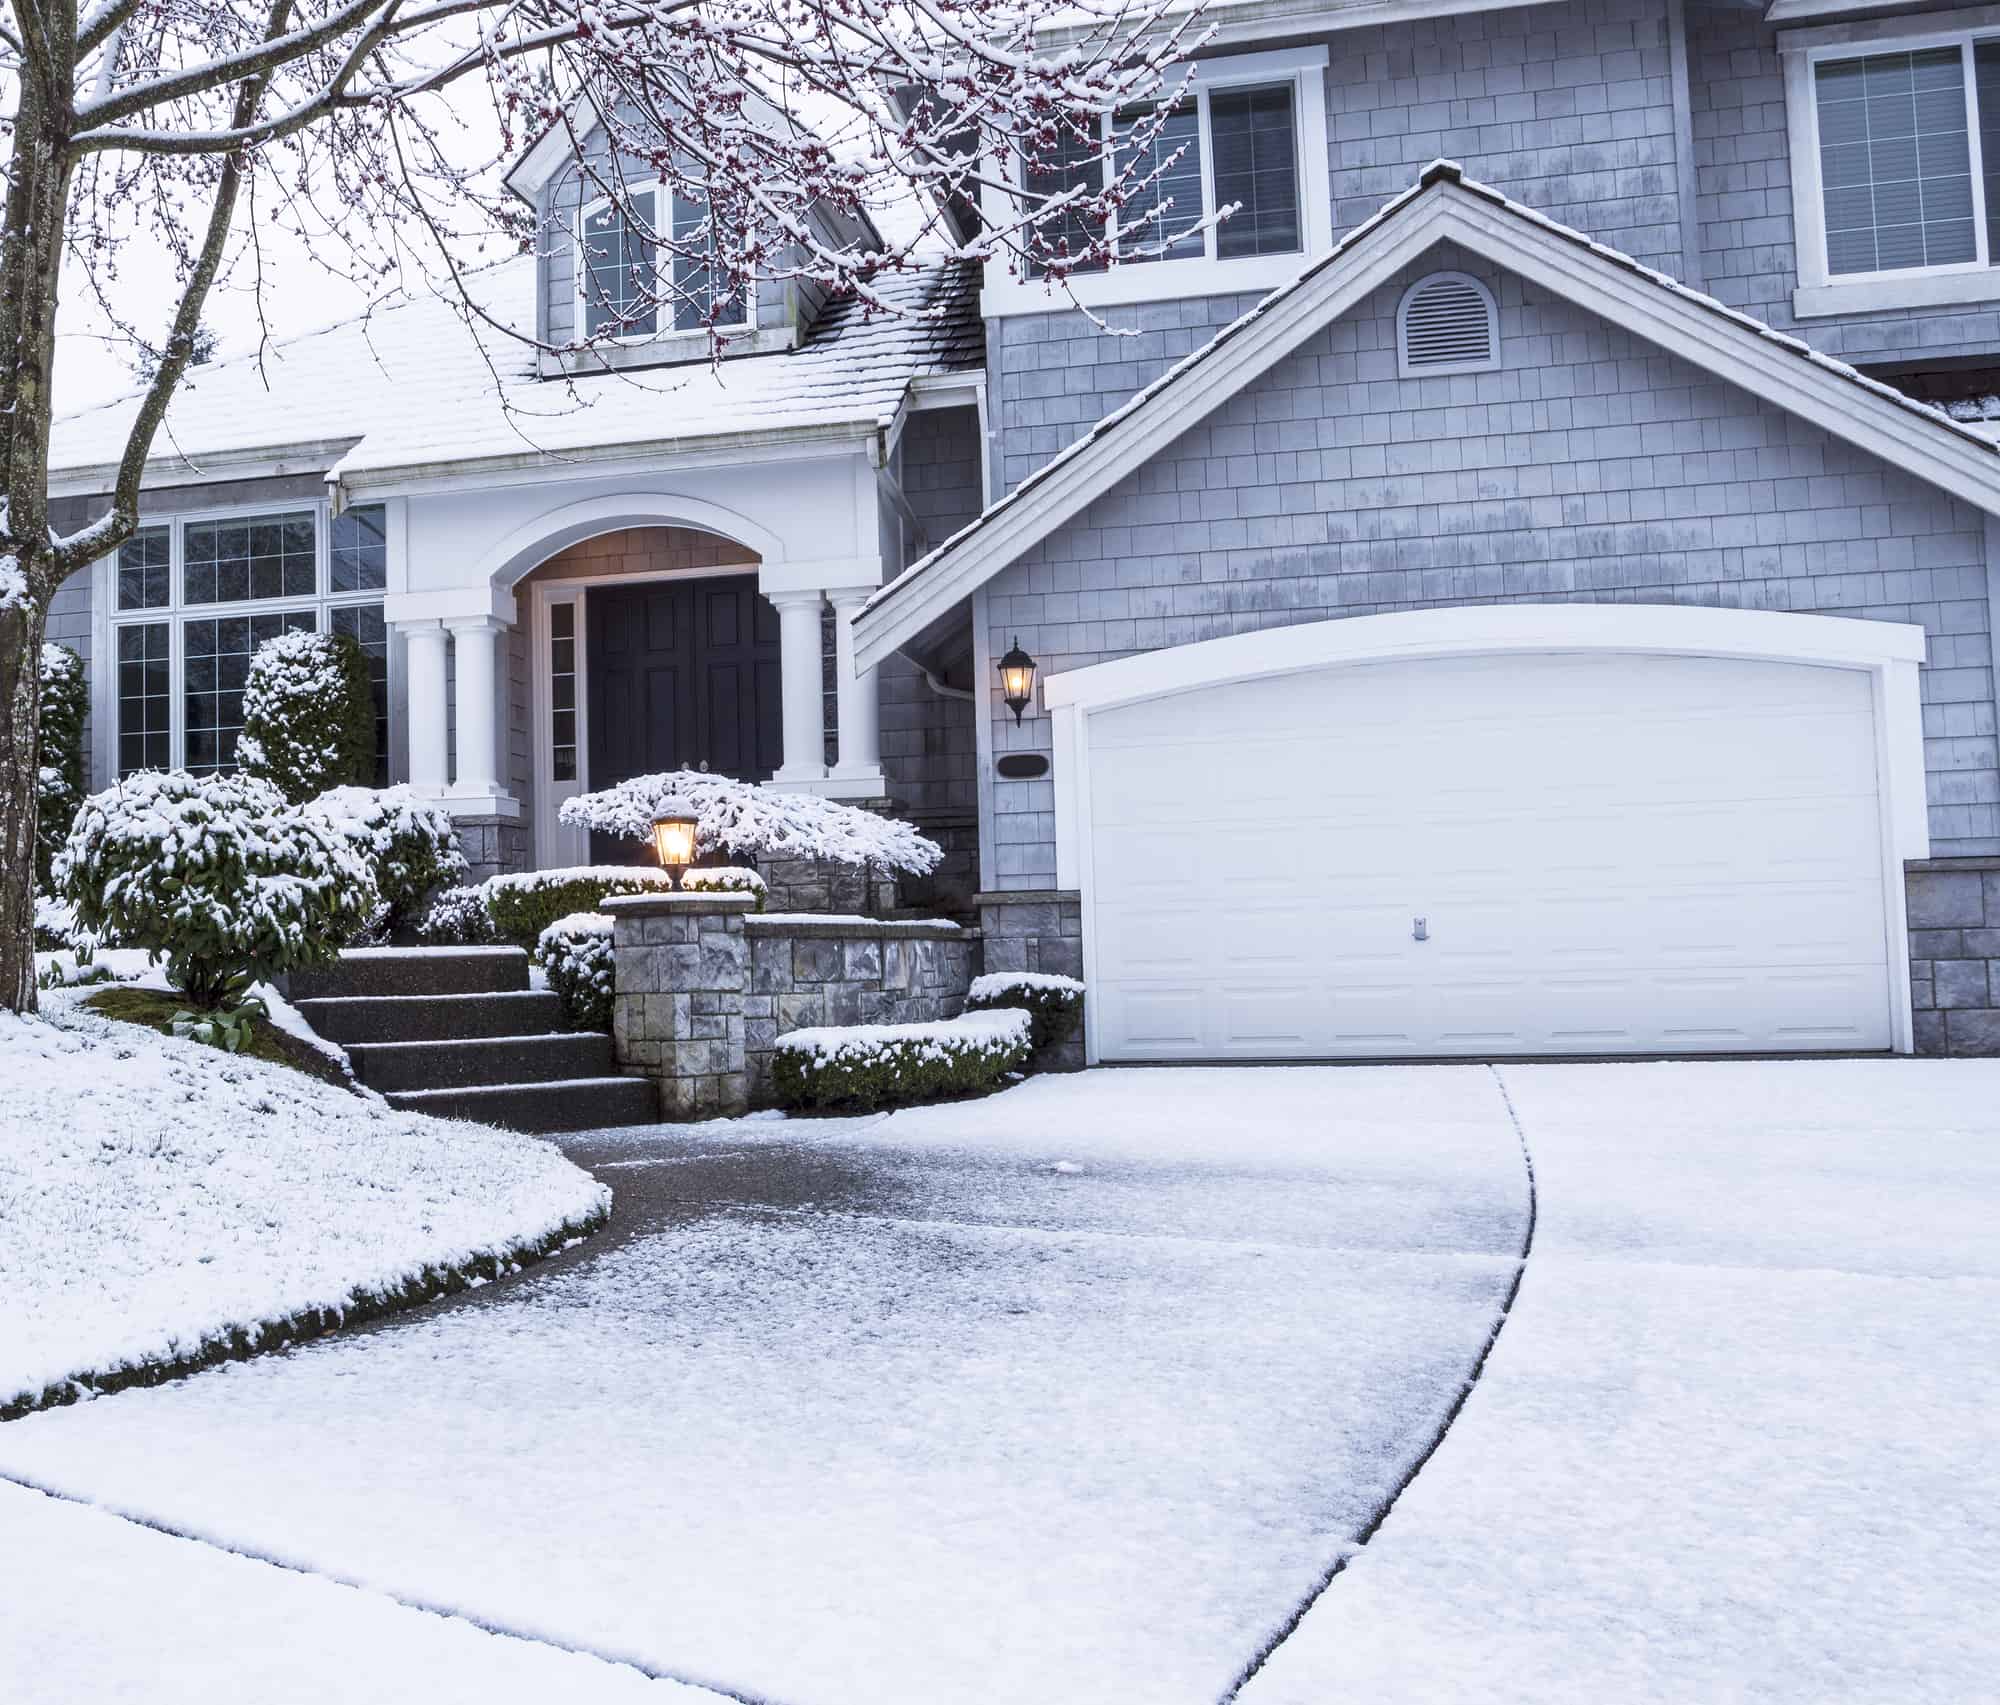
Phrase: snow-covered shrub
(862, 1066)
(410, 843)
(59, 754)
(308, 714)
(1053, 1003)
(524, 905)
(56, 928)
(726, 879)
(216, 875)
(457, 918)
(575, 952)
(748, 821)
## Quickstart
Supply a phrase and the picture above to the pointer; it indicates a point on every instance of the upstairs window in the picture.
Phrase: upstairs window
(620, 281)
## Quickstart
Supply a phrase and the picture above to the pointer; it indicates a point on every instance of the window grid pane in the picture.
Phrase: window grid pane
(145, 699)
(618, 269)
(215, 660)
(270, 556)
(365, 623)
(693, 285)
(1252, 142)
(358, 549)
(562, 696)
(1077, 162)
(1180, 184)
(1895, 161)
(144, 570)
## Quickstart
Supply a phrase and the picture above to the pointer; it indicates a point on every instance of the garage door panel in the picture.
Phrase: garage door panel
(1613, 854)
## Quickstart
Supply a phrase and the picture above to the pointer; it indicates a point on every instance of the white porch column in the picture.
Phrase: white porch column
(800, 667)
(426, 711)
(859, 706)
(477, 643)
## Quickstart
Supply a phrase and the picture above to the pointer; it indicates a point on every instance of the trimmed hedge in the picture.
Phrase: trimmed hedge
(523, 906)
(575, 952)
(864, 1066)
(457, 918)
(58, 755)
(1055, 1004)
(726, 879)
(308, 714)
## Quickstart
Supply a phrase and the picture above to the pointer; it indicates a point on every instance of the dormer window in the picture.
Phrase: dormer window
(619, 280)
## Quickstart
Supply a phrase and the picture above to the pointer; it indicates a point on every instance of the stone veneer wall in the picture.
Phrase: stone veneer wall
(1038, 929)
(704, 988)
(1955, 955)
(493, 846)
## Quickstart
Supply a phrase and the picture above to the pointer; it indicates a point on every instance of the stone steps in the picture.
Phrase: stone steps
(577, 1104)
(348, 1019)
(389, 1066)
(414, 971)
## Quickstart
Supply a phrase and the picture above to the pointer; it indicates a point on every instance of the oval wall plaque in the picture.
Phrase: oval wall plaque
(1023, 766)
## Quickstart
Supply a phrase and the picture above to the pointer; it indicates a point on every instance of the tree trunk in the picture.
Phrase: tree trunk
(20, 731)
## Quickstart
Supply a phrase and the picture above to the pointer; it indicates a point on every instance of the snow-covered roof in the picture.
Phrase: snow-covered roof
(1442, 206)
(411, 387)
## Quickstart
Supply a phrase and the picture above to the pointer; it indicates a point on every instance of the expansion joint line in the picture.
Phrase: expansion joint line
(1381, 1513)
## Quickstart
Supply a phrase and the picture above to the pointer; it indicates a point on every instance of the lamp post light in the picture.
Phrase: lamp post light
(1017, 680)
(673, 837)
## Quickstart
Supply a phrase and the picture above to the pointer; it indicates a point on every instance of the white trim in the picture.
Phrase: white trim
(1260, 20)
(1730, 346)
(520, 552)
(1939, 289)
(1891, 653)
(1407, 369)
(1206, 275)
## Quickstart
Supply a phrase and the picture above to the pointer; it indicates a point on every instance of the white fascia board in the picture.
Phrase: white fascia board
(310, 457)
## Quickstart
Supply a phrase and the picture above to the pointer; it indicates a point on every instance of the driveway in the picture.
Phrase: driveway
(1084, 1392)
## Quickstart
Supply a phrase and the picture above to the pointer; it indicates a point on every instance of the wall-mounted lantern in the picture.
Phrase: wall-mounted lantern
(673, 837)
(1017, 680)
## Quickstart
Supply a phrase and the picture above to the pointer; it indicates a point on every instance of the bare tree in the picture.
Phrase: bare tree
(173, 122)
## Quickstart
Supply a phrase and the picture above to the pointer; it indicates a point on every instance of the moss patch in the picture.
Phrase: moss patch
(155, 1010)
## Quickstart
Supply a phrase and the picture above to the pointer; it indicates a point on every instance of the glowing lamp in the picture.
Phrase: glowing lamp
(1017, 680)
(673, 837)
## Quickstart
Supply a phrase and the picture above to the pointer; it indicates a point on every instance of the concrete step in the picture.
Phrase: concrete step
(387, 1066)
(576, 1104)
(414, 971)
(348, 1019)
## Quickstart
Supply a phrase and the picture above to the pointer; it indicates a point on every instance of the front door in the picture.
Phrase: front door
(682, 673)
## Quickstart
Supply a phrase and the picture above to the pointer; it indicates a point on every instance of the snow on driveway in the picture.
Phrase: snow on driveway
(1739, 1439)
(1069, 1394)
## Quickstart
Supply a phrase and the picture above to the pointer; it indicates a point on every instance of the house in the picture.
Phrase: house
(1524, 584)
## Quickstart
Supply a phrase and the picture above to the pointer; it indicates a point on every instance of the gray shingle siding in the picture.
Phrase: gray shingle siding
(1589, 467)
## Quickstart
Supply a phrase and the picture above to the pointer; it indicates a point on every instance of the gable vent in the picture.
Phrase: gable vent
(1447, 323)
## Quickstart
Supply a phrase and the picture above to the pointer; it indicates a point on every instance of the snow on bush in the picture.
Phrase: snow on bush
(308, 714)
(1053, 1003)
(726, 879)
(59, 754)
(56, 928)
(756, 822)
(575, 952)
(457, 918)
(216, 875)
(524, 905)
(862, 1066)
(410, 843)
(168, 1204)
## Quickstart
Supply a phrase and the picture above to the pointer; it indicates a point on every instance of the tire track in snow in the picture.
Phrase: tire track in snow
(1373, 1524)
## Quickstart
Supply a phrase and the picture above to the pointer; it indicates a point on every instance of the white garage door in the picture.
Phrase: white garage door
(1603, 854)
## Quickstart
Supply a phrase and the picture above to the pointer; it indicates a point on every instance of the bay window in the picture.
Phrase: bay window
(191, 600)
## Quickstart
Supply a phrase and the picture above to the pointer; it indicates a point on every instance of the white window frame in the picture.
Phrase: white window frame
(177, 612)
(1163, 279)
(1821, 291)
(663, 198)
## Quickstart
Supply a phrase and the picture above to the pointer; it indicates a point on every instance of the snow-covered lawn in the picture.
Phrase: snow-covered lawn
(158, 1196)
(1740, 1437)
(1071, 1394)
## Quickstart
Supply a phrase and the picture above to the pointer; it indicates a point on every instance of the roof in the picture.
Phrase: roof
(411, 386)
(1442, 206)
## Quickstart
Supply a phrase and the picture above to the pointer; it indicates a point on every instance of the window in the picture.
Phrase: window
(1251, 134)
(243, 579)
(562, 691)
(1446, 323)
(694, 286)
(1895, 138)
(620, 281)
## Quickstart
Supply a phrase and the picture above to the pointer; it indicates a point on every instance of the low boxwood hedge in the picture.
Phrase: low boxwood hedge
(1054, 1003)
(523, 906)
(575, 953)
(863, 1066)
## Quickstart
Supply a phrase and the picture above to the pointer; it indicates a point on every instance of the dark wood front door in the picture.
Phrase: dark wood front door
(682, 673)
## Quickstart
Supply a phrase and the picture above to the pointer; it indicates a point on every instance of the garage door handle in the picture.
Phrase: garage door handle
(1420, 929)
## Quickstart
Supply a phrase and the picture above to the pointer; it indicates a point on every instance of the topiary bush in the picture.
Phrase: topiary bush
(863, 1066)
(523, 906)
(308, 715)
(216, 875)
(457, 918)
(59, 754)
(1055, 1004)
(575, 952)
(411, 844)
(726, 879)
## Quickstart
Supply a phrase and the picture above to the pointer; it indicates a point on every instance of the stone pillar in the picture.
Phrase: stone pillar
(859, 707)
(477, 643)
(800, 664)
(424, 679)
(682, 968)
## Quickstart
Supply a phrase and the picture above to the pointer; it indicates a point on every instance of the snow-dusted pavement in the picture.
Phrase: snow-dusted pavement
(853, 1414)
